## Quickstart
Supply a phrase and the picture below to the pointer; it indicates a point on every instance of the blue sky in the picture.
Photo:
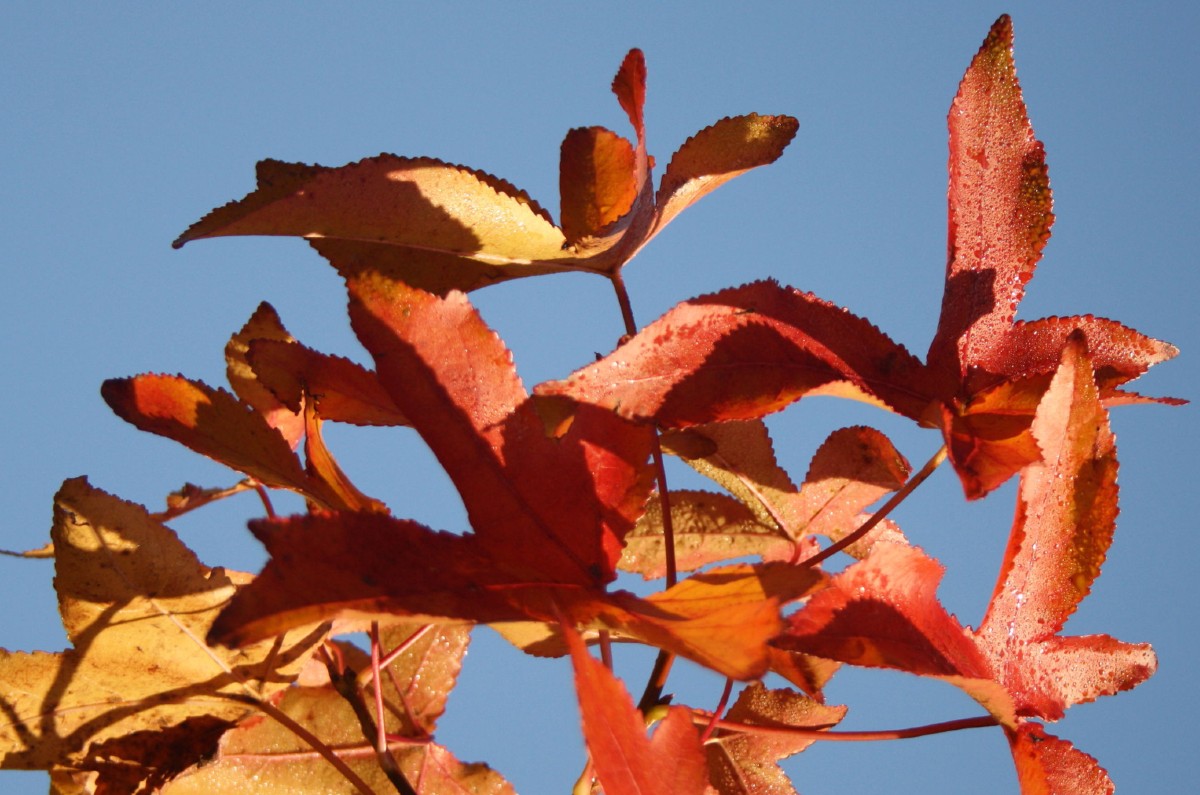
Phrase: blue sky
(123, 123)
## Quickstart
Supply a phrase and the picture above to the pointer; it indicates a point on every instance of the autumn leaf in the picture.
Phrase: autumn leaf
(883, 611)
(443, 227)
(743, 763)
(246, 382)
(625, 760)
(549, 513)
(770, 518)
(262, 756)
(136, 605)
(745, 352)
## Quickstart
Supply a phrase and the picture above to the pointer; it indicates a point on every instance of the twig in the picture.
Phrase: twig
(869, 525)
(811, 733)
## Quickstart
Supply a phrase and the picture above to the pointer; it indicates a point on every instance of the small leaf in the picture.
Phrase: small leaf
(625, 760)
(1047, 765)
(596, 181)
(214, 423)
(243, 377)
(747, 763)
(342, 390)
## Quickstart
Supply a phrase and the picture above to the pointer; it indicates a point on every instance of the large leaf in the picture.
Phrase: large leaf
(542, 504)
(136, 605)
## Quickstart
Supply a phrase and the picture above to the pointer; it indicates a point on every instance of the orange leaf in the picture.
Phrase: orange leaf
(1047, 765)
(443, 227)
(625, 760)
(999, 199)
(342, 390)
(246, 382)
(213, 423)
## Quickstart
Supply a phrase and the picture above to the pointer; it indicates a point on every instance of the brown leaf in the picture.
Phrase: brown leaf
(262, 756)
(708, 528)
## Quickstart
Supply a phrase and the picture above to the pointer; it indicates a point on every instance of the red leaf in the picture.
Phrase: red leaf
(596, 181)
(1000, 204)
(625, 760)
(1047, 765)
(743, 353)
(540, 503)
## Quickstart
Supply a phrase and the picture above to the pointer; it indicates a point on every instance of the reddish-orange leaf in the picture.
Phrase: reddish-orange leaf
(559, 504)
(1047, 765)
(988, 436)
(999, 201)
(596, 181)
(625, 760)
(214, 423)
(246, 382)
(342, 390)
(1066, 516)
(743, 353)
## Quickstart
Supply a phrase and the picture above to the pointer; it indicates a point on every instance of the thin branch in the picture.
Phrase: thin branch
(308, 737)
(720, 710)
(983, 721)
(345, 683)
(881, 514)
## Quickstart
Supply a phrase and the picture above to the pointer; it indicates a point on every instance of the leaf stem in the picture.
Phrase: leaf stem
(720, 710)
(314, 742)
(811, 733)
(909, 486)
(662, 664)
(345, 682)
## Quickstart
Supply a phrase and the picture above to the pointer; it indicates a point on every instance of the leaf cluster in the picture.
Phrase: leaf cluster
(185, 679)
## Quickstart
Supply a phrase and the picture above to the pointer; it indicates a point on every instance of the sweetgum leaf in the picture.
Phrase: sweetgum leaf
(747, 764)
(136, 604)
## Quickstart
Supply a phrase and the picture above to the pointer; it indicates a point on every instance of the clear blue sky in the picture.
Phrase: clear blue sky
(123, 123)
